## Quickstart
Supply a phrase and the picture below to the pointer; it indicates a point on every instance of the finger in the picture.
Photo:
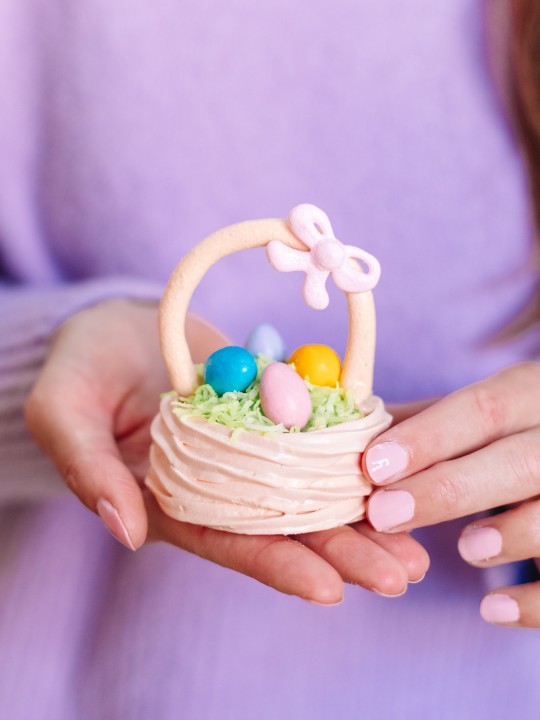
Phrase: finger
(79, 439)
(280, 562)
(358, 559)
(513, 606)
(456, 425)
(403, 547)
(507, 537)
(403, 411)
(503, 473)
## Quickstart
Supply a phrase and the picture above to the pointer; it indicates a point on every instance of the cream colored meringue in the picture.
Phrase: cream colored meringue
(246, 482)
(243, 481)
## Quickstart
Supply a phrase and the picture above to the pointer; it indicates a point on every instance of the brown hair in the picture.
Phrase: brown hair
(525, 65)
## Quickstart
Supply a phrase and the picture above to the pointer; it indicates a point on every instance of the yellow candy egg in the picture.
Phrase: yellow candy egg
(318, 363)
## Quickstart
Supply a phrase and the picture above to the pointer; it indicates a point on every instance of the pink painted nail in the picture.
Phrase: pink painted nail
(389, 508)
(385, 460)
(480, 543)
(497, 608)
(113, 522)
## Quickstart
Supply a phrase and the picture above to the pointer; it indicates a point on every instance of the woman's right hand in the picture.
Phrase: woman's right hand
(91, 410)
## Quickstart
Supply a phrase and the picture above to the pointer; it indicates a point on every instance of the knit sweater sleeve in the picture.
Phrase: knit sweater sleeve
(28, 319)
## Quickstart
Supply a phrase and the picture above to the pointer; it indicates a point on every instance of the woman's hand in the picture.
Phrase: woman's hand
(475, 450)
(91, 410)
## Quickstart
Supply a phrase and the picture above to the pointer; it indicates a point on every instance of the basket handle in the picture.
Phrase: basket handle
(357, 371)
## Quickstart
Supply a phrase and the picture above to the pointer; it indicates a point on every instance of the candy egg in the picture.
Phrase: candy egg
(284, 396)
(265, 340)
(319, 363)
(229, 369)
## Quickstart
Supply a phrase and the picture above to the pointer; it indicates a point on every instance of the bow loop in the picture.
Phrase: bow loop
(310, 224)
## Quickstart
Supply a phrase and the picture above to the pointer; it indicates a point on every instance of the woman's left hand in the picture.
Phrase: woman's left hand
(474, 450)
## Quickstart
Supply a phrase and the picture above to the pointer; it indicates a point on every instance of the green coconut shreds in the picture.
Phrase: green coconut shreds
(242, 410)
(239, 410)
(331, 406)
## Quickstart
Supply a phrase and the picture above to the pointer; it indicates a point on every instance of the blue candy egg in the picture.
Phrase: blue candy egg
(230, 369)
(265, 340)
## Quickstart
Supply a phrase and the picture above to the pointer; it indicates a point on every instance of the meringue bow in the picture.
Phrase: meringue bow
(326, 256)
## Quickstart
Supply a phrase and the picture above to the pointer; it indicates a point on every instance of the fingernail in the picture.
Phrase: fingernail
(389, 508)
(387, 595)
(324, 604)
(479, 543)
(113, 522)
(385, 460)
(415, 582)
(497, 608)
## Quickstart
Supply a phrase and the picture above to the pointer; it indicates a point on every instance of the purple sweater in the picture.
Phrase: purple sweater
(129, 130)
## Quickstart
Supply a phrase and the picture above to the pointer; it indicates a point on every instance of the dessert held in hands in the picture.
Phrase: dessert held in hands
(254, 443)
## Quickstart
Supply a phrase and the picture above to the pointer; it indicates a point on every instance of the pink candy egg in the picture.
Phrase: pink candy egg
(284, 396)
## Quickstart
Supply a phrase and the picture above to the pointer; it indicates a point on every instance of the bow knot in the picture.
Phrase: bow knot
(328, 255)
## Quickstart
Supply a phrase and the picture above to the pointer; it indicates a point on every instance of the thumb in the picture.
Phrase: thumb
(81, 444)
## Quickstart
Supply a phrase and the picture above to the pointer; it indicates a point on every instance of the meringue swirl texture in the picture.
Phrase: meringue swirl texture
(246, 482)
